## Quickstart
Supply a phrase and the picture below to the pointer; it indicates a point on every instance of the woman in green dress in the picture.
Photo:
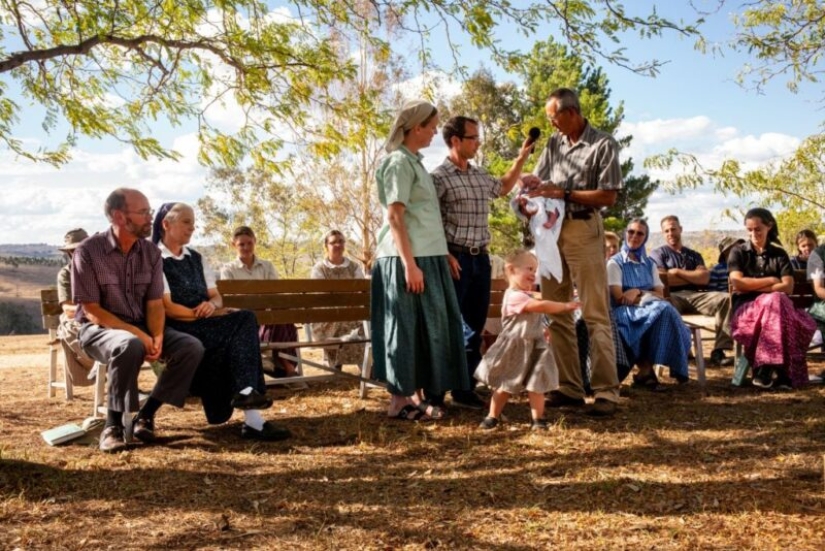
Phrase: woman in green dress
(417, 334)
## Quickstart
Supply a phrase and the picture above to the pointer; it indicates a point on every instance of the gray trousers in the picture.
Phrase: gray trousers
(707, 303)
(124, 353)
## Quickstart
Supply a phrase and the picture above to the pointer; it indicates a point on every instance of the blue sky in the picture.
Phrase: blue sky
(694, 105)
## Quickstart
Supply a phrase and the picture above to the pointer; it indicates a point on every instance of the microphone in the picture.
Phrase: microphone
(533, 135)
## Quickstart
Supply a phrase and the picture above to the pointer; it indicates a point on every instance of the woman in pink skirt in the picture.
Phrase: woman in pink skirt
(773, 333)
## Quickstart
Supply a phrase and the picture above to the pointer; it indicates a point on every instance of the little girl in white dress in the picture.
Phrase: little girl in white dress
(521, 358)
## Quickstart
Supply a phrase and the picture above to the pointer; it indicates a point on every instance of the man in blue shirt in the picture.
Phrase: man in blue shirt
(688, 278)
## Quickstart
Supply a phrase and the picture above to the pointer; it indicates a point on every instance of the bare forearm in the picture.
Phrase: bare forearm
(155, 317)
(395, 217)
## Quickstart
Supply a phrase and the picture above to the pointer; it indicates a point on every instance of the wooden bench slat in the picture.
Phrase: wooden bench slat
(277, 286)
(266, 317)
(295, 301)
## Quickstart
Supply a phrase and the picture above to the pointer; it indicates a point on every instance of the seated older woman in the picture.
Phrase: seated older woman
(337, 266)
(230, 375)
(649, 326)
(773, 333)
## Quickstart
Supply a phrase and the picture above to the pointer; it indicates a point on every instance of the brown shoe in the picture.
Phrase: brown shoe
(111, 440)
(560, 400)
(602, 407)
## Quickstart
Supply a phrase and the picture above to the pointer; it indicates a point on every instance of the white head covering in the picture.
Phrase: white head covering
(412, 113)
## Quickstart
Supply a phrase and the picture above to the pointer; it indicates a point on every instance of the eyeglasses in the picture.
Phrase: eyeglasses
(336, 242)
(146, 213)
(555, 116)
(640, 233)
(474, 137)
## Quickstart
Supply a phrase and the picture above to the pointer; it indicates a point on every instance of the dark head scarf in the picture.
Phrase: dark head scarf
(157, 225)
(639, 252)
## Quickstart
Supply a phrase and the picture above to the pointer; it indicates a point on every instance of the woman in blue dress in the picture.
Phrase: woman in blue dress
(230, 375)
(650, 327)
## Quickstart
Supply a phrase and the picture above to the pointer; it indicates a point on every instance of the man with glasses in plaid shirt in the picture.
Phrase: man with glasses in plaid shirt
(117, 283)
(464, 192)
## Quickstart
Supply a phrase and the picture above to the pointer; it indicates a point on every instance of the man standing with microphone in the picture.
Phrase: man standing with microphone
(580, 165)
(464, 193)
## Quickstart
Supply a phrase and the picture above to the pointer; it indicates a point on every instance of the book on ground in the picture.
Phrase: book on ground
(62, 434)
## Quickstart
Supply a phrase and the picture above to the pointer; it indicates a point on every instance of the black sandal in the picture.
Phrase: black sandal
(409, 413)
(436, 413)
(647, 382)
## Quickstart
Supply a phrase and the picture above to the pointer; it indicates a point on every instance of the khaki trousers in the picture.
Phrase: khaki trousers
(581, 244)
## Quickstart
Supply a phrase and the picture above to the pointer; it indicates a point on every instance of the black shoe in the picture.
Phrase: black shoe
(488, 423)
(682, 379)
(602, 407)
(269, 433)
(539, 424)
(111, 440)
(558, 399)
(468, 400)
(143, 429)
(718, 359)
(762, 377)
(253, 400)
(782, 382)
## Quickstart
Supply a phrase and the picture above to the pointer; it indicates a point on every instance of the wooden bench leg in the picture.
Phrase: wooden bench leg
(52, 367)
(98, 404)
(699, 354)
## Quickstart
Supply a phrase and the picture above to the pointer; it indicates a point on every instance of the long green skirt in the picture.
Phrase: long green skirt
(417, 339)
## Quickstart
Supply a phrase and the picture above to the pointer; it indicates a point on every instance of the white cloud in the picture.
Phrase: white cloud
(40, 203)
(711, 144)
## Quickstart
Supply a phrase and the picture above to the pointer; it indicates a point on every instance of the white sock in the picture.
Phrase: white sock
(247, 391)
(253, 418)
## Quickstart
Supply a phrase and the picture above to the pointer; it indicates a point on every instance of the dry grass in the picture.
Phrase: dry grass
(730, 469)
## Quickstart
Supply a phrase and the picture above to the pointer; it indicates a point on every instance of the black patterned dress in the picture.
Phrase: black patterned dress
(232, 360)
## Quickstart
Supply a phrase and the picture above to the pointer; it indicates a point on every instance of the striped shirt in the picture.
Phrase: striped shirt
(591, 163)
(120, 283)
(464, 196)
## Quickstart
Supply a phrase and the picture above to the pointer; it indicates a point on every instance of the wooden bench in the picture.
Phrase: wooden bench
(307, 301)
(302, 302)
(51, 310)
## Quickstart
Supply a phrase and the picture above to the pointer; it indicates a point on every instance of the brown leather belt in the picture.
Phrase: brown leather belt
(474, 251)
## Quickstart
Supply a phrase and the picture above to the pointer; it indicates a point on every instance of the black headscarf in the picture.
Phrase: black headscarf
(157, 225)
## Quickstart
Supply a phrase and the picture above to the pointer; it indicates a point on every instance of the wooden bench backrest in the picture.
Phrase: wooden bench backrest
(315, 300)
(50, 308)
(299, 300)
(803, 290)
(497, 288)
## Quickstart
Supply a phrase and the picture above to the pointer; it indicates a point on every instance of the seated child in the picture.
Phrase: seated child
(719, 273)
(521, 357)
(805, 244)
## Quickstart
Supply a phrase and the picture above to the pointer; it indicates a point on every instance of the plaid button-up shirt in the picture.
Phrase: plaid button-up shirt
(120, 283)
(465, 198)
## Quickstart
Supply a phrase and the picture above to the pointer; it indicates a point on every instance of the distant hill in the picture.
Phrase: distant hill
(35, 250)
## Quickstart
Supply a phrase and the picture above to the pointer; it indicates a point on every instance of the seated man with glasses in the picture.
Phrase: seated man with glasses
(117, 284)
(464, 194)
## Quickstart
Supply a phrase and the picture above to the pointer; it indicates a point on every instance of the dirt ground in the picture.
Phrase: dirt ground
(688, 468)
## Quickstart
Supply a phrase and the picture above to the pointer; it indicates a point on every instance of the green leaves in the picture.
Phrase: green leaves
(115, 67)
